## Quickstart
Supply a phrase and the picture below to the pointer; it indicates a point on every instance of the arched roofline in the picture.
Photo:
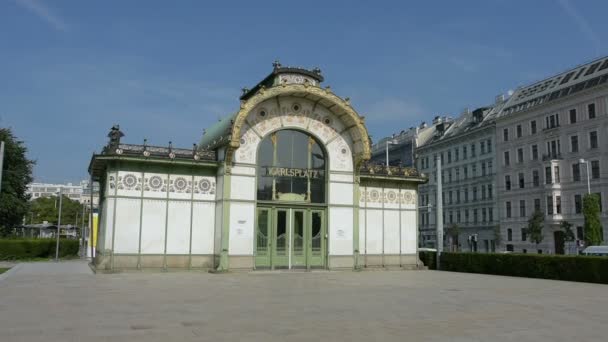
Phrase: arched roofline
(340, 107)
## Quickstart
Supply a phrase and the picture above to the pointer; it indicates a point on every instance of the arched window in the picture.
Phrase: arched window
(291, 167)
(509, 234)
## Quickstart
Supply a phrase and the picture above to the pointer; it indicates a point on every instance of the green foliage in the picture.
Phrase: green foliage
(47, 209)
(535, 227)
(497, 235)
(558, 267)
(16, 174)
(16, 249)
(593, 227)
(3, 269)
(567, 229)
(429, 259)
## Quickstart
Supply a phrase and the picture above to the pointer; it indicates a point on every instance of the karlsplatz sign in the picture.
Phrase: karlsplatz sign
(291, 172)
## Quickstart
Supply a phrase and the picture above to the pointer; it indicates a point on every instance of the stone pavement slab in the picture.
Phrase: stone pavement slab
(66, 302)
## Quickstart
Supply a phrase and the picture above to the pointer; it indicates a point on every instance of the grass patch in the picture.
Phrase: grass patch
(2, 270)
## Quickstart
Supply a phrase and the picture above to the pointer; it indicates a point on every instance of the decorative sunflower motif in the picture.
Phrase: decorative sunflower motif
(392, 196)
(180, 184)
(204, 185)
(409, 198)
(155, 182)
(374, 195)
(129, 181)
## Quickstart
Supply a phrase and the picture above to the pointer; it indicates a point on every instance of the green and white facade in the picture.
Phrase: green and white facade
(283, 183)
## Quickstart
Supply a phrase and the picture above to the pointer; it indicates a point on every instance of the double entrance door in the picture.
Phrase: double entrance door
(290, 238)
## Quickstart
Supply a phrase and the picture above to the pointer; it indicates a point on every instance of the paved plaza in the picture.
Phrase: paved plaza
(66, 302)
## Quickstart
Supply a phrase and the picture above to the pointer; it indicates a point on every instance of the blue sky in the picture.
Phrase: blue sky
(164, 70)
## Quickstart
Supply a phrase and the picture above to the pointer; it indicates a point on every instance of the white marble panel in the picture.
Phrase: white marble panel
(362, 228)
(340, 231)
(391, 232)
(243, 170)
(391, 198)
(153, 227)
(155, 185)
(241, 228)
(341, 193)
(408, 199)
(205, 188)
(180, 186)
(409, 232)
(111, 183)
(341, 158)
(296, 112)
(246, 153)
(374, 231)
(126, 239)
(178, 228)
(362, 196)
(129, 183)
(373, 197)
(341, 177)
(242, 188)
(203, 225)
(108, 223)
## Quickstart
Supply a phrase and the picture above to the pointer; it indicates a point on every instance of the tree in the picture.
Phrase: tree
(593, 227)
(16, 175)
(497, 236)
(47, 209)
(535, 227)
(567, 229)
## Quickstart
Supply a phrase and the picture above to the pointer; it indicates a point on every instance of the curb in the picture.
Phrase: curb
(11, 271)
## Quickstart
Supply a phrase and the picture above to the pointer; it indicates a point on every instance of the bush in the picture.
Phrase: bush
(429, 259)
(16, 249)
(558, 267)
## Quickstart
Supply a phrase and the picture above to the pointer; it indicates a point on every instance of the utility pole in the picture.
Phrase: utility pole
(82, 232)
(439, 238)
(58, 224)
(1, 162)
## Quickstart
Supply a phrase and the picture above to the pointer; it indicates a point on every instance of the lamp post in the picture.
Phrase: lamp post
(59, 224)
(586, 162)
(389, 142)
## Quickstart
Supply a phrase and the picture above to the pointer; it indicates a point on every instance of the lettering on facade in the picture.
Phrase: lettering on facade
(291, 172)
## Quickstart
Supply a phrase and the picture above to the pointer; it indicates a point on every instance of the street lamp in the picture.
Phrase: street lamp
(58, 224)
(389, 142)
(586, 162)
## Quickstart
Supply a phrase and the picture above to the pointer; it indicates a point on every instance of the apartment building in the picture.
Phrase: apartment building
(549, 136)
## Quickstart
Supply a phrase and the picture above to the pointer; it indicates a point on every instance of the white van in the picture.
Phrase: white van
(596, 251)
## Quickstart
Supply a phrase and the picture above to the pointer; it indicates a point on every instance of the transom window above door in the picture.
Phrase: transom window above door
(291, 167)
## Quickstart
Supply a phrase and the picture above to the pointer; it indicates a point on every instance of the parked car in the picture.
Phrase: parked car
(596, 251)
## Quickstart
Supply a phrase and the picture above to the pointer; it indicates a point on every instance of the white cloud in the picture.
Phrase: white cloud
(43, 13)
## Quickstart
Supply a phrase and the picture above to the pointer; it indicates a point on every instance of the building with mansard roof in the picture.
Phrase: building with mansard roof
(552, 151)
(283, 183)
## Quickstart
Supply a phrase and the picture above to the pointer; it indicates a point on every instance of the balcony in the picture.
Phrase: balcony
(551, 127)
(552, 156)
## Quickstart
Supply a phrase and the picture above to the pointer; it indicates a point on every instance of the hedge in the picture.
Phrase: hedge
(16, 249)
(559, 267)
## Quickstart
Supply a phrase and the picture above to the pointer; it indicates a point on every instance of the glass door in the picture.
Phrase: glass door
(263, 235)
(299, 246)
(280, 250)
(290, 238)
(317, 243)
